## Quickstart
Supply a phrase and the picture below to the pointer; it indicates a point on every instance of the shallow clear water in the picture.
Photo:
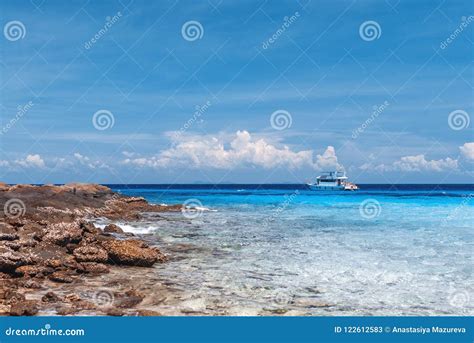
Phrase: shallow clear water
(252, 250)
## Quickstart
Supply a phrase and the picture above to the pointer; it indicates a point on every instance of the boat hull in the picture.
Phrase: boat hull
(315, 187)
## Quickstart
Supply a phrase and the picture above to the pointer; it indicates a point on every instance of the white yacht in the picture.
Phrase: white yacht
(334, 180)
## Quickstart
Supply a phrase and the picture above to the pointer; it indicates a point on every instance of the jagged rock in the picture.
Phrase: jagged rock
(94, 268)
(91, 254)
(50, 297)
(61, 276)
(10, 296)
(63, 233)
(129, 299)
(112, 228)
(33, 270)
(4, 236)
(130, 252)
(24, 308)
(10, 259)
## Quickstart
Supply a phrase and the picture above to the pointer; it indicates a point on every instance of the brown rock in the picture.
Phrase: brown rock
(8, 236)
(61, 276)
(50, 297)
(90, 228)
(84, 305)
(33, 270)
(114, 312)
(24, 308)
(112, 228)
(129, 299)
(66, 311)
(91, 254)
(29, 283)
(11, 296)
(148, 313)
(63, 233)
(130, 252)
(10, 259)
(94, 268)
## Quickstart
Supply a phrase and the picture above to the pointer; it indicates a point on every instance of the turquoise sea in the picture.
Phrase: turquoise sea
(284, 249)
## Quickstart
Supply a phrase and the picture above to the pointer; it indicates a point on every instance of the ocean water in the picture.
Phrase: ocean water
(284, 249)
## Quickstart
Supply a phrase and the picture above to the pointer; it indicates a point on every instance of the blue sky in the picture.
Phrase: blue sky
(199, 110)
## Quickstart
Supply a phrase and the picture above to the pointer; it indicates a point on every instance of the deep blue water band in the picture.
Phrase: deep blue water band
(237, 329)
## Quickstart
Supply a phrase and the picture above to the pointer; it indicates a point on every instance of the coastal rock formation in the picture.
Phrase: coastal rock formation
(47, 235)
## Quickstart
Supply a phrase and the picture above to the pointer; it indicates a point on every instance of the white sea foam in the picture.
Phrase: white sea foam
(133, 228)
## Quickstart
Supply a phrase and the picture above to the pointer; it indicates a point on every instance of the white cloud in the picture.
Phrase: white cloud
(31, 161)
(420, 163)
(86, 161)
(414, 164)
(239, 150)
(467, 150)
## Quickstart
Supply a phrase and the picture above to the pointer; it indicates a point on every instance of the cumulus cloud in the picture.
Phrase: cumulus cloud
(467, 150)
(414, 164)
(239, 150)
(86, 161)
(31, 161)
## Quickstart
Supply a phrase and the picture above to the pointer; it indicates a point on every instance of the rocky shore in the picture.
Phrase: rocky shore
(54, 260)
